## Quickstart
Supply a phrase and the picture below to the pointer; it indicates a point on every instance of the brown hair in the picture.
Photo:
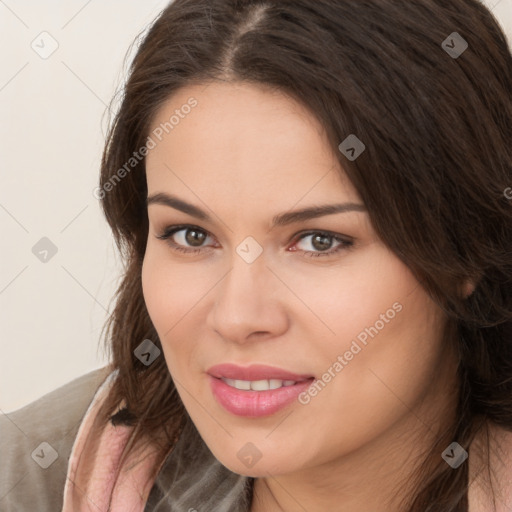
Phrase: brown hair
(438, 137)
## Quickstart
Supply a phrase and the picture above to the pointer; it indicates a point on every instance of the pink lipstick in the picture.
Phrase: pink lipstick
(257, 390)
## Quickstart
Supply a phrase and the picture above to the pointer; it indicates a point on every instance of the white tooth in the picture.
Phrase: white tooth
(275, 383)
(242, 384)
(259, 385)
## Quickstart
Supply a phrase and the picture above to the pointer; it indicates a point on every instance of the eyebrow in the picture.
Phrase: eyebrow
(283, 219)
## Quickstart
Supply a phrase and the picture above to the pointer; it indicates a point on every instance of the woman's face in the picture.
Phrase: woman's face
(320, 297)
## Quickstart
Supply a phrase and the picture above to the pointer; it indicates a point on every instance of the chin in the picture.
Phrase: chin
(256, 468)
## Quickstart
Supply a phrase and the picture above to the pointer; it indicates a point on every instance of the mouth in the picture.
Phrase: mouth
(254, 373)
(258, 385)
(257, 390)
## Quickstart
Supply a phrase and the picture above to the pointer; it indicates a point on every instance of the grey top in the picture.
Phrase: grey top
(36, 443)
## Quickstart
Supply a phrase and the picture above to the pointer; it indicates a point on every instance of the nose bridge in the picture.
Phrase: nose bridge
(245, 300)
(247, 282)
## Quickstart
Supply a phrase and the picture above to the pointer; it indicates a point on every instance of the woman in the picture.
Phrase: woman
(311, 198)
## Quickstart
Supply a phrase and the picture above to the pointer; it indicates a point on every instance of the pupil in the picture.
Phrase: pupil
(196, 238)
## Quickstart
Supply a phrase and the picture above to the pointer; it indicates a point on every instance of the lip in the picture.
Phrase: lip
(254, 372)
(255, 404)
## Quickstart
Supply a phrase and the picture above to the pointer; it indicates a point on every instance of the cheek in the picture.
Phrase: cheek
(169, 293)
(346, 300)
(161, 288)
(170, 289)
(386, 330)
(175, 293)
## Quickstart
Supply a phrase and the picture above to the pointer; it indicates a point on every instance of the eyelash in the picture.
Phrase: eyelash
(172, 230)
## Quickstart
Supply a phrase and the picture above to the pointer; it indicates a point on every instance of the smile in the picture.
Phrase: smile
(255, 399)
(258, 385)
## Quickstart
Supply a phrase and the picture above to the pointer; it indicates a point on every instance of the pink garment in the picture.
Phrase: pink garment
(104, 486)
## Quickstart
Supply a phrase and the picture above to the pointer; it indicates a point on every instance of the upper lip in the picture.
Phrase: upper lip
(254, 372)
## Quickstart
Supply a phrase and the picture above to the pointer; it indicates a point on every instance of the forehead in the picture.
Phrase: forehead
(246, 137)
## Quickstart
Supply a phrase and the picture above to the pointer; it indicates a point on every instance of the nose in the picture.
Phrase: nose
(248, 303)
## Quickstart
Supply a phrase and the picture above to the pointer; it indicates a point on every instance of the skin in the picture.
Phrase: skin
(245, 154)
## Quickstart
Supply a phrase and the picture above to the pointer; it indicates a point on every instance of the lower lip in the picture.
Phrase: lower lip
(255, 404)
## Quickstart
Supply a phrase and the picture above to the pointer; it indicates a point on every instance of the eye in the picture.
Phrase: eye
(190, 239)
(184, 235)
(322, 242)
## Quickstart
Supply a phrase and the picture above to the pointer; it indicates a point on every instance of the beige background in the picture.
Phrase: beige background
(51, 135)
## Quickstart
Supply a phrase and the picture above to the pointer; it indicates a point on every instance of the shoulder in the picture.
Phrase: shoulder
(36, 441)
